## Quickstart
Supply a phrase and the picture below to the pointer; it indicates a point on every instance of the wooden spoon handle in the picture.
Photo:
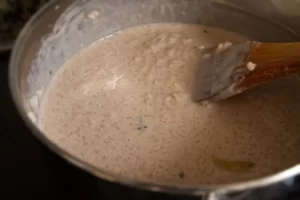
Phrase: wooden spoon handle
(273, 60)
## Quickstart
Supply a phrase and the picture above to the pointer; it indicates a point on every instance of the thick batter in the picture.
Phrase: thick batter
(123, 104)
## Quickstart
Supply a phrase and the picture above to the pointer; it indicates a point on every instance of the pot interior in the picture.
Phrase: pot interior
(64, 28)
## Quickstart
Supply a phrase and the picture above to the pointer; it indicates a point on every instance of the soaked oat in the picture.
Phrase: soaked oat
(124, 105)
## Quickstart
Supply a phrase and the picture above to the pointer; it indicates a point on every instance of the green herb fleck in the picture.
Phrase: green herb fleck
(141, 125)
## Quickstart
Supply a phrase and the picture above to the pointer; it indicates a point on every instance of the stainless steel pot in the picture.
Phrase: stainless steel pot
(63, 27)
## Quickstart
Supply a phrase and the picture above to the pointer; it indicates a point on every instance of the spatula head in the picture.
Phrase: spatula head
(220, 71)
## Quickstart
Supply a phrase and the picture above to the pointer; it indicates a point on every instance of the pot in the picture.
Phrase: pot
(62, 28)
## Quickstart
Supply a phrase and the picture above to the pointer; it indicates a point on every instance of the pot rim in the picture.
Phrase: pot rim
(197, 190)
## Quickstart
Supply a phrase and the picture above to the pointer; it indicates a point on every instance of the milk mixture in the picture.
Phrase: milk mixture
(124, 105)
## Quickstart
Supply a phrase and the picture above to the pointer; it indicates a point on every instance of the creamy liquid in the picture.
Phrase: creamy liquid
(123, 104)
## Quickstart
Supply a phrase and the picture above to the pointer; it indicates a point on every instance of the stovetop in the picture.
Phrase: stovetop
(28, 170)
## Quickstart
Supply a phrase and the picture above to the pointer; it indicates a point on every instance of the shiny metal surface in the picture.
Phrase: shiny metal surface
(63, 27)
